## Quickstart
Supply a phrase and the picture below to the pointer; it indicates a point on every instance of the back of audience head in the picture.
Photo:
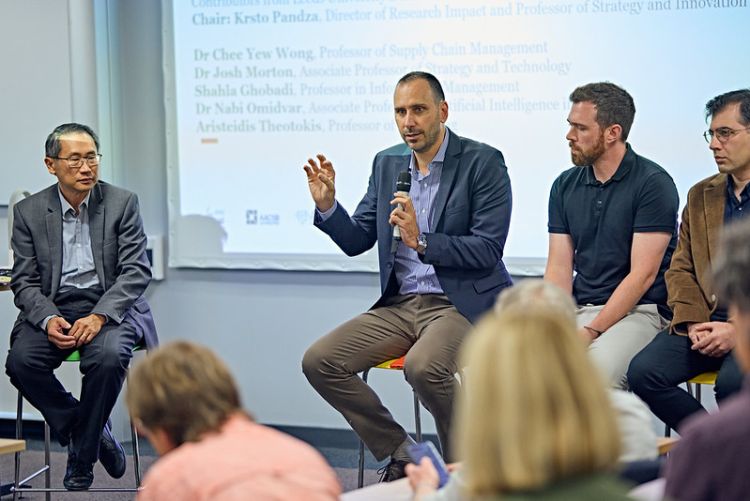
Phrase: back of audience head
(534, 411)
(179, 393)
(536, 295)
(732, 281)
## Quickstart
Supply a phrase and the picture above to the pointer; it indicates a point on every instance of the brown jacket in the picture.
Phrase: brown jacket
(690, 291)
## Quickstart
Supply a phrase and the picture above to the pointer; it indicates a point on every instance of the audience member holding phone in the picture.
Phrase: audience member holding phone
(534, 420)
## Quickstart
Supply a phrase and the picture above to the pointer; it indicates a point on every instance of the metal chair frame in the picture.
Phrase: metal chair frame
(417, 420)
(698, 381)
(18, 484)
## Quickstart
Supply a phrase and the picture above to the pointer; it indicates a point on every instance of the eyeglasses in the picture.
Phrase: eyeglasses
(722, 134)
(75, 162)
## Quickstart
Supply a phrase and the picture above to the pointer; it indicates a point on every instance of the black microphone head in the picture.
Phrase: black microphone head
(404, 181)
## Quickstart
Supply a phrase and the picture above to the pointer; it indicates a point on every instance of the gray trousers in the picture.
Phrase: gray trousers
(613, 350)
(428, 329)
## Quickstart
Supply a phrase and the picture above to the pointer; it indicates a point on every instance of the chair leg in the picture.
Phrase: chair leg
(418, 424)
(417, 419)
(19, 434)
(361, 470)
(696, 395)
(47, 462)
(136, 454)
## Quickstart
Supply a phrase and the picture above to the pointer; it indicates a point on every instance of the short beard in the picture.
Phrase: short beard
(585, 158)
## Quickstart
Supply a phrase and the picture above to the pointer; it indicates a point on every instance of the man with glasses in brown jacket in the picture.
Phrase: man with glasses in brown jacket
(701, 336)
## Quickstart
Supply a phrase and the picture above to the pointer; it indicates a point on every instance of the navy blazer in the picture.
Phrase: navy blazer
(118, 244)
(471, 216)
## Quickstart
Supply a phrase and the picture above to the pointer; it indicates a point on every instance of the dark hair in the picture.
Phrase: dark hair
(732, 266)
(741, 96)
(437, 89)
(613, 104)
(52, 145)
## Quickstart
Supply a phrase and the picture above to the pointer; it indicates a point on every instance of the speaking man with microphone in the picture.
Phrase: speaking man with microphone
(452, 219)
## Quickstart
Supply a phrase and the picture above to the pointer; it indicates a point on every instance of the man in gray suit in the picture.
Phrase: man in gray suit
(79, 273)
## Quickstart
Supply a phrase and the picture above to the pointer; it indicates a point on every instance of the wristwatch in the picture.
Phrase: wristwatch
(422, 243)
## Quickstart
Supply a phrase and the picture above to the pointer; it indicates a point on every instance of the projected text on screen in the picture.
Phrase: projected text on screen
(259, 86)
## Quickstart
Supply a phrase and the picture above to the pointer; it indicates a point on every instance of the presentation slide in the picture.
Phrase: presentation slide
(256, 87)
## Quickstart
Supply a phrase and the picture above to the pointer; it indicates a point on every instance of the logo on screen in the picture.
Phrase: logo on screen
(270, 219)
(251, 216)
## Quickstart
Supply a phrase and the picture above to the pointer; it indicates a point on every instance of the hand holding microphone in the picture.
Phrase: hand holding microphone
(403, 185)
(403, 216)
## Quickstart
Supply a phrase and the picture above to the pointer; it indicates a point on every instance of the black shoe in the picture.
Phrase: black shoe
(78, 475)
(393, 470)
(111, 453)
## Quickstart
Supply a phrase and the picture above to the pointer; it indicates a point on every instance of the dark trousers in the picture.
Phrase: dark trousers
(655, 373)
(32, 358)
(428, 329)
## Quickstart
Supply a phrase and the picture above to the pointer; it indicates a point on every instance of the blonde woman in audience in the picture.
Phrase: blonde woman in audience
(186, 402)
(638, 439)
(535, 421)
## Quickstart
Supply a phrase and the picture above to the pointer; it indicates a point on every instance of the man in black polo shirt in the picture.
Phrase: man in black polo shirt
(612, 220)
(701, 337)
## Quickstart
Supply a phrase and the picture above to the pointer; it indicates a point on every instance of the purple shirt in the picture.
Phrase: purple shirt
(710, 460)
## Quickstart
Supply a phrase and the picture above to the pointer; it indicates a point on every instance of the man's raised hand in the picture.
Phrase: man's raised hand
(321, 180)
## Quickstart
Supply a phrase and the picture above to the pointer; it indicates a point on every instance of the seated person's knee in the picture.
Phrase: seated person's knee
(13, 364)
(420, 373)
(312, 360)
(19, 363)
(728, 383)
(109, 358)
(636, 374)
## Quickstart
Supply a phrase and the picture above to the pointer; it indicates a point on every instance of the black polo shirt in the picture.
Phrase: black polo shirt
(602, 217)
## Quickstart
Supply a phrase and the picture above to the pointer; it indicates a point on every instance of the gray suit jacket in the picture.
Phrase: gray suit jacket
(118, 244)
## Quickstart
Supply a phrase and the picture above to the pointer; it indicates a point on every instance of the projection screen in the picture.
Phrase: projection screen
(255, 87)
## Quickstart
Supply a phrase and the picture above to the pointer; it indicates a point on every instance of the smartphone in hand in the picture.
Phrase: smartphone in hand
(427, 449)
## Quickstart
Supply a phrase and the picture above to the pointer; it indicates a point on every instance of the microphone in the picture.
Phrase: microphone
(403, 185)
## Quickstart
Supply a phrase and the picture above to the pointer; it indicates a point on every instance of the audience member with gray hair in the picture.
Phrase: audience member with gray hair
(633, 417)
(530, 306)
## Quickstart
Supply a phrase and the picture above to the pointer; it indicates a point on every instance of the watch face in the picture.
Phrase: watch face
(421, 243)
